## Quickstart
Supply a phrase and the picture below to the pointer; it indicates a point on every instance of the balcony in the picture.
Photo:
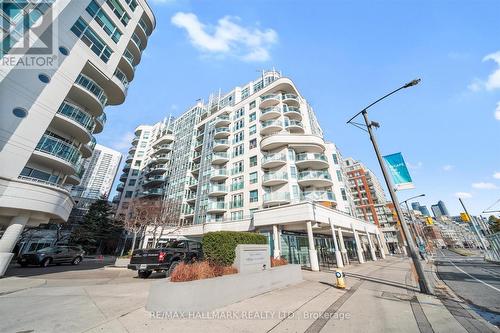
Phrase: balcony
(189, 213)
(294, 126)
(132, 149)
(71, 119)
(195, 168)
(135, 47)
(75, 178)
(299, 142)
(273, 160)
(166, 138)
(159, 168)
(120, 187)
(191, 198)
(154, 192)
(154, 180)
(129, 158)
(274, 178)
(216, 207)
(271, 126)
(222, 133)
(291, 100)
(221, 145)
(318, 196)
(220, 158)
(196, 156)
(216, 190)
(126, 167)
(135, 140)
(311, 160)
(269, 100)
(315, 178)
(127, 64)
(162, 158)
(100, 122)
(237, 186)
(88, 148)
(198, 145)
(292, 112)
(222, 121)
(57, 154)
(276, 199)
(89, 94)
(164, 148)
(124, 176)
(193, 183)
(218, 174)
(270, 113)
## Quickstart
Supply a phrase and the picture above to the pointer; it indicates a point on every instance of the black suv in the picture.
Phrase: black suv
(52, 255)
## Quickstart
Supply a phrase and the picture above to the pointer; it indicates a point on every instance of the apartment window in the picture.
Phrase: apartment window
(253, 178)
(238, 150)
(344, 194)
(335, 159)
(135, 172)
(137, 163)
(34, 173)
(132, 4)
(131, 182)
(293, 172)
(119, 11)
(237, 200)
(253, 143)
(339, 175)
(143, 144)
(238, 137)
(253, 161)
(140, 154)
(252, 117)
(238, 167)
(239, 124)
(93, 41)
(104, 21)
(295, 191)
(254, 196)
(239, 113)
(245, 93)
(128, 194)
(252, 105)
(237, 183)
(235, 216)
(252, 129)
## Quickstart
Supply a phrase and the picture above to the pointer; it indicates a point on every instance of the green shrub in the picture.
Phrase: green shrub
(219, 247)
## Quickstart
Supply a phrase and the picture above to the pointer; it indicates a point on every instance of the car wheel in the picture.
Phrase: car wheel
(172, 267)
(46, 262)
(144, 274)
(76, 261)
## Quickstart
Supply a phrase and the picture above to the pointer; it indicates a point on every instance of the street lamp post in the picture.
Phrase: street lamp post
(416, 234)
(423, 282)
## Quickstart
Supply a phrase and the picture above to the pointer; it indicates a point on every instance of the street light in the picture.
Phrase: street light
(416, 233)
(423, 283)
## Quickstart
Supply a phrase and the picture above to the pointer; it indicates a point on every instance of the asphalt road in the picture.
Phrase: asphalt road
(474, 280)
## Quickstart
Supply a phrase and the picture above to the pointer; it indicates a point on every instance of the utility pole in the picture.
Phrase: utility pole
(474, 227)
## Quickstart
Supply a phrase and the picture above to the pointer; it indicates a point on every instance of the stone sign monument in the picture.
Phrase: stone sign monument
(252, 258)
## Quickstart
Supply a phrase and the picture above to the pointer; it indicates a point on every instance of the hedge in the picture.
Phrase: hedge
(219, 246)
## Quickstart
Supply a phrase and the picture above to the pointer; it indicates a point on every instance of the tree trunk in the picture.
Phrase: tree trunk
(124, 243)
(133, 241)
(159, 237)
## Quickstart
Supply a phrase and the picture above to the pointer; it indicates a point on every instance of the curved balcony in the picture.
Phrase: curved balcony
(274, 178)
(129, 158)
(294, 126)
(271, 126)
(124, 176)
(74, 121)
(126, 65)
(221, 145)
(216, 190)
(216, 207)
(318, 196)
(100, 122)
(218, 175)
(126, 167)
(222, 121)
(88, 148)
(311, 160)
(154, 180)
(164, 139)
(132, 150)
(153, 192)
(120, 187)
(135, 47)
(164, 148)
(315, 178)
(75, 178)
(117, 91)
(292, 112)
(276, 199)
(299, 142)
(162, 158)
(291, 100)
(273, 160)
(191, 198)
(270, 113)
(269, 100)
(88, 93)
(220, 158)
(57, 154)
(222, 132)
(141, 31)
(159, 168)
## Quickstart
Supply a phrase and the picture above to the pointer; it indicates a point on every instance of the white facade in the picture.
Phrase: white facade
(49, 116)
(99, 175)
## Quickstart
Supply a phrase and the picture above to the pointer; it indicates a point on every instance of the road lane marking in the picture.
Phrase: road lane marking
(486, 284)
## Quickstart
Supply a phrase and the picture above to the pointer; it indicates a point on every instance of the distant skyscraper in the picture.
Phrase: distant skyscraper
(415, 205)
(436, 211)
(424, 211)
(100, 172)
(442, 208)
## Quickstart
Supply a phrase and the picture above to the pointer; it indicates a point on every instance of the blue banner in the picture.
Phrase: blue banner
(399, 172)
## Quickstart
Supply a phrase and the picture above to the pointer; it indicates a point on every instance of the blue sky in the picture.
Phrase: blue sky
(342, 55)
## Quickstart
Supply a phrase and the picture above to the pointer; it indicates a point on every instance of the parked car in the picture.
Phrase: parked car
(52, 255)
(165, 258)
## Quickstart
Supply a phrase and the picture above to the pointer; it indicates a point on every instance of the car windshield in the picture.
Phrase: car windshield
(46, 249)
(176, 244)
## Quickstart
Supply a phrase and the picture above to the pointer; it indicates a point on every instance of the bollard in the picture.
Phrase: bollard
(340, 279)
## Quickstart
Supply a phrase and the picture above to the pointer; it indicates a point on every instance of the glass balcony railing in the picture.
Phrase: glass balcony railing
(317, 196)
(221, 129)
(127, 166)
(154, 179)
(222, 155)
(102, 119)
(270, 96)
(216, 206)
(296, 123)
(272, 123)
(276, 196)
(195, 166)
(311, 157)
(92, 87)
(137, 41)
(274, 157)
(164, 146)
(123, 78)
(218, 172)
(91, 144)
(218, 188)
(290, 96)
(237, 186)
(221, 142)
(293, 109)
(274, 176)
(272, 109)
(144, 27)
(60, 149)
(75, 113)
(129, 57)
(153, 191)
(304, 175)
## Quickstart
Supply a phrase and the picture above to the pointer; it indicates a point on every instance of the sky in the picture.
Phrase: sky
(342, 55)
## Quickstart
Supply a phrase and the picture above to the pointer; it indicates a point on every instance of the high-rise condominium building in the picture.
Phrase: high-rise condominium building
(50, 113)
(422, 209)
(99, 175)
(370, 201)
(436, 211)
(255, 150)
(442, 208)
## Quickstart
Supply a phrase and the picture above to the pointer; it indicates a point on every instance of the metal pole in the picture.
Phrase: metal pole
(474, 226)
(422, 280)
(412, 223)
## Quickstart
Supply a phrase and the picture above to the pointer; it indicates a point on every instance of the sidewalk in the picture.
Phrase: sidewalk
(381, 297)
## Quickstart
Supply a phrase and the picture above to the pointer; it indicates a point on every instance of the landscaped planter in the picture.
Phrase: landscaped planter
(210, 294)
(122, 262)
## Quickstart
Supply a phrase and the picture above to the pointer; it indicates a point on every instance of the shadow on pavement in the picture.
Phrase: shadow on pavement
(382, 281)
(31, 271)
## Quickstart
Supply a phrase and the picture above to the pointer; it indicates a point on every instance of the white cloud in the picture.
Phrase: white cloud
(227, 37)
(415, 166)
(497, 111)
(484, 186)
(448, 167)
(475, 85)
(463, 195)
(493, 81)
(124, 141)
(496, 175)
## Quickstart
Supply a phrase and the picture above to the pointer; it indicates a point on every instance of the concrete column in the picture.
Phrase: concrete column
(370, 243)
(359, 250)
(380, 244)
(9, 240)
(343, 250)
(313, 255)
(338, 256)
(276, 240)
